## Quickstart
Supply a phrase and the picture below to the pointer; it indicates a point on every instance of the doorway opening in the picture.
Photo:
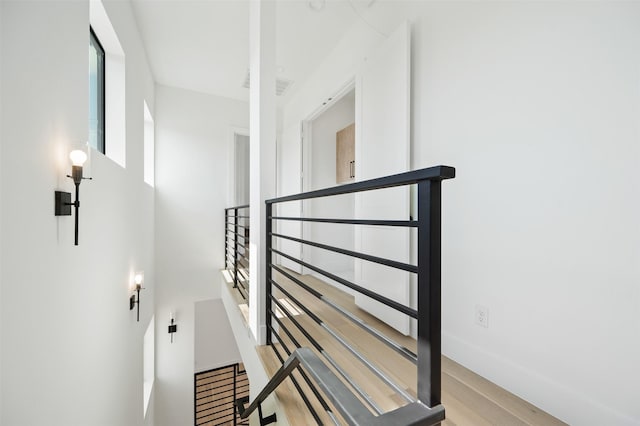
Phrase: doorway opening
(329, 160)
(241, 148)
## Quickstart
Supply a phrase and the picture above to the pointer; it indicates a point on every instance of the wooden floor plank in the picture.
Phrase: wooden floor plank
(520, 408)
(469, 399)
(479, 404)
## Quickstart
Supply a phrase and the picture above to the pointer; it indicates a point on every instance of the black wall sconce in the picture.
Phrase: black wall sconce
(138, 280)
(63, 199)
(173, 327)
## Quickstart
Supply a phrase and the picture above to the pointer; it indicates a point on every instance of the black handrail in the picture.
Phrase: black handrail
(435, 174)
(352, 410)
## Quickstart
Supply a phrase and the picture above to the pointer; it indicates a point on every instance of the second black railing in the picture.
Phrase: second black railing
(295, 321)
(236, 245)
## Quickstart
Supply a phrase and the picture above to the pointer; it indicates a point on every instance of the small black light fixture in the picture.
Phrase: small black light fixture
(63, 199)
(138, 280)
(173, 327)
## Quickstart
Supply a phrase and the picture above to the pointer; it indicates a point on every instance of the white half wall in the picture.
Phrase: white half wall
(537, 105)
(69, 341)
(192, 139)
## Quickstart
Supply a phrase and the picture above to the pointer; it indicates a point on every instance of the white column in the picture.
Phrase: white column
(262, 46)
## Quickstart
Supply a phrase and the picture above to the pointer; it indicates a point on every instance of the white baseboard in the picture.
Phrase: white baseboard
(556, 399)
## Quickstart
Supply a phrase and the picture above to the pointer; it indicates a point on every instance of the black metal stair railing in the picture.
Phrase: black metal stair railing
(215, 392)
(330, 381)
(236, 246)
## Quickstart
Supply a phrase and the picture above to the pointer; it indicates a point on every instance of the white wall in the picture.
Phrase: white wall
(1, 143)
(192, 141)
(69, 341)
(537, 105)
(215, 345)
(322, 174)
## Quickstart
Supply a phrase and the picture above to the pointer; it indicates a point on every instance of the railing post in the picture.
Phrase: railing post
(226, 237)
(235, 396)
(269, 258)
(429, 292)
(235, 249)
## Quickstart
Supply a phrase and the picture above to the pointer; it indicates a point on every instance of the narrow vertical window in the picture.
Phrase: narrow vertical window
(96, 93)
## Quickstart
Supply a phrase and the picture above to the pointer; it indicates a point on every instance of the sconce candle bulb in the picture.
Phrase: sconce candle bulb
(78, 157)
(138, 279)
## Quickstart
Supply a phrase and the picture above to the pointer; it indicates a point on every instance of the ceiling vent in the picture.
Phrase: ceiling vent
(281, 84)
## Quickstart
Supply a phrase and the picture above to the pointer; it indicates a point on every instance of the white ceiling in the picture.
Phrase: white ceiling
(203, 45)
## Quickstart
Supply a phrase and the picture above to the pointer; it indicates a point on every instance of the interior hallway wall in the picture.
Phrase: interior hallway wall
(71, 349)
(193, 137)
(536, 104)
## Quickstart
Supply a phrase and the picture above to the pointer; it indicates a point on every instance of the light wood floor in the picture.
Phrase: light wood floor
(468, 398)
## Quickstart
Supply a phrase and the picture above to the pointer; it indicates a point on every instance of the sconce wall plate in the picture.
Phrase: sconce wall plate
(63, 203)
(173, 327)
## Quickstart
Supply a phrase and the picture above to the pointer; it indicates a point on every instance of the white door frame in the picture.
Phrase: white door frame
(231, 163)
(306, 132)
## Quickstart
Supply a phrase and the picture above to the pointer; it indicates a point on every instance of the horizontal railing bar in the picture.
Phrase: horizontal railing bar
(241, 235)
(241, 255)
(231, 250)
(297, 345)
(364, 360)
(358, 321)
(384, 300)
(198, 385)
(326, 354)
(215, 420)
(407, 178)
(367, 257)
(212, 395)
(214, 388)
(405, 223)
(239, 259)
(244, 206)
(218, 402)
(214, 369)
(238, 225)
(215, 413)
(208, 376)
(242, 294)
(234, 260)
(297, 385)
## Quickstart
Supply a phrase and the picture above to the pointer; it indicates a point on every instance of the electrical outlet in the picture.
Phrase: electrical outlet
(482, 316)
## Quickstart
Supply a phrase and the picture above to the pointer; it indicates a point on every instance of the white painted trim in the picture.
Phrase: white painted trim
(341, 92)
(231, 162)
